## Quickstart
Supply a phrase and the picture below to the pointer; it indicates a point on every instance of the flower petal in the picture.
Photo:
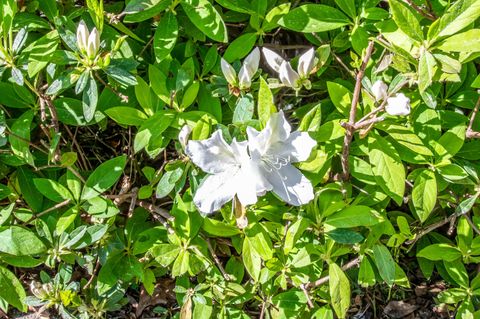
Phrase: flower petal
(296, 148)
(306, 63)
(215, 191)
(244, 78)
(398, 105)
(273, 59)
(212, 155)
(288, 76)
(93, 43)
(379, 90)
(289, 184)
(276, 130)
(228, 72)
(82, 36)
(251, 62)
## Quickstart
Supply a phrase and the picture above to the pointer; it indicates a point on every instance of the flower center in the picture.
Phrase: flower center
(275, 162)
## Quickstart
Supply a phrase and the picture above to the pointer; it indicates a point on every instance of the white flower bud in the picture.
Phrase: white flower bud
(398, 105)
(248, 70)
(288, 76)
(306, 62)
(184, 135)
(228, 72)
(93, 43)
(379, 90)
(273, 59)
(82, 37)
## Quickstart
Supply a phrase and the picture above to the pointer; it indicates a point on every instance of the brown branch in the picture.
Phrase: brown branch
(352, 263)
(216, 260)
(428, 15)
(305, 292)
(48, 210)
(470, 132)
(353, 111)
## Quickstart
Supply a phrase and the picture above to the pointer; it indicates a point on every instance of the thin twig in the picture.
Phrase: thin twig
(353, 111)
(470, 132)
(216, 260)
(472, 224)
(305, 292)
(94, 272)
(428, 15)
(352, 263)
(49, 210)
(120, 95)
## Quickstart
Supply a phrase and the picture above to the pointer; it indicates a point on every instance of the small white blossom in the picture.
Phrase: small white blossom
(249, 169)
(379, 90)
(246, 73)
(286, 74)
(88, 42)
(398, 105)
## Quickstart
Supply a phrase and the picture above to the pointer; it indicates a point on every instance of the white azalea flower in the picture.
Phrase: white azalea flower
(230, 169)
(246, 73)
(249, 169)
(88, 42)
(398, 105)
(273, 150)
(379, 90)
(288, 76)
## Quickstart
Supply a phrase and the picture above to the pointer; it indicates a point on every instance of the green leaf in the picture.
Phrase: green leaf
(347, 6)
(244, 109)
(385, 264)
(266, 105)
(165, 36)
(406, 20)
(165, 254)
(345, 236)
(52, 190)
(339, 290)
(366, 274)
(341, 97)
(103, 177)
(19, 241)
(181, 263)
(29, 192)
(424, 194)
(427, 67)
(406, 137)
(126, 115)
(387, 167)
(288, 304)
(168, 181)
(11, 289)
(260, 241)
(314, 18)
(468, 41)
(251, 259)
(461, 14)
(450, 143)
(19, 140)
(151, 130)
(140, 10)
(220, 229)
(90, 99)
(206, 18)
(353, 216)
(452, 172)
(441, 251)
(240, 47)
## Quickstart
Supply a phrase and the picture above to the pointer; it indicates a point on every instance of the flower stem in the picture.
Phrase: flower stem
(240, 213)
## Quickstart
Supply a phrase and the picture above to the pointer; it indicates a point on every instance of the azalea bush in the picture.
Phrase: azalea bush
(239, 159)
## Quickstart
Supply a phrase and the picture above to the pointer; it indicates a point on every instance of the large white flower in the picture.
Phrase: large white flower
(246, 73)
(398, 105)
(230, 169)
(273, 150)
(286, 74)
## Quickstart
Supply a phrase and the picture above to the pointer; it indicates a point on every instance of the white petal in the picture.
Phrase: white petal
(289, 184)
(398, 105)
(279, 126)
(183, 135)
(296, 148)
(82, 36)
(215, 191)
(228, 72)
(212, 155)
(273, 59)
(306, 63)
(244, 78)
(252, 183)
(251, 62)
(276, 130)
(288, 76)
(93, 43)
(379, 90)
